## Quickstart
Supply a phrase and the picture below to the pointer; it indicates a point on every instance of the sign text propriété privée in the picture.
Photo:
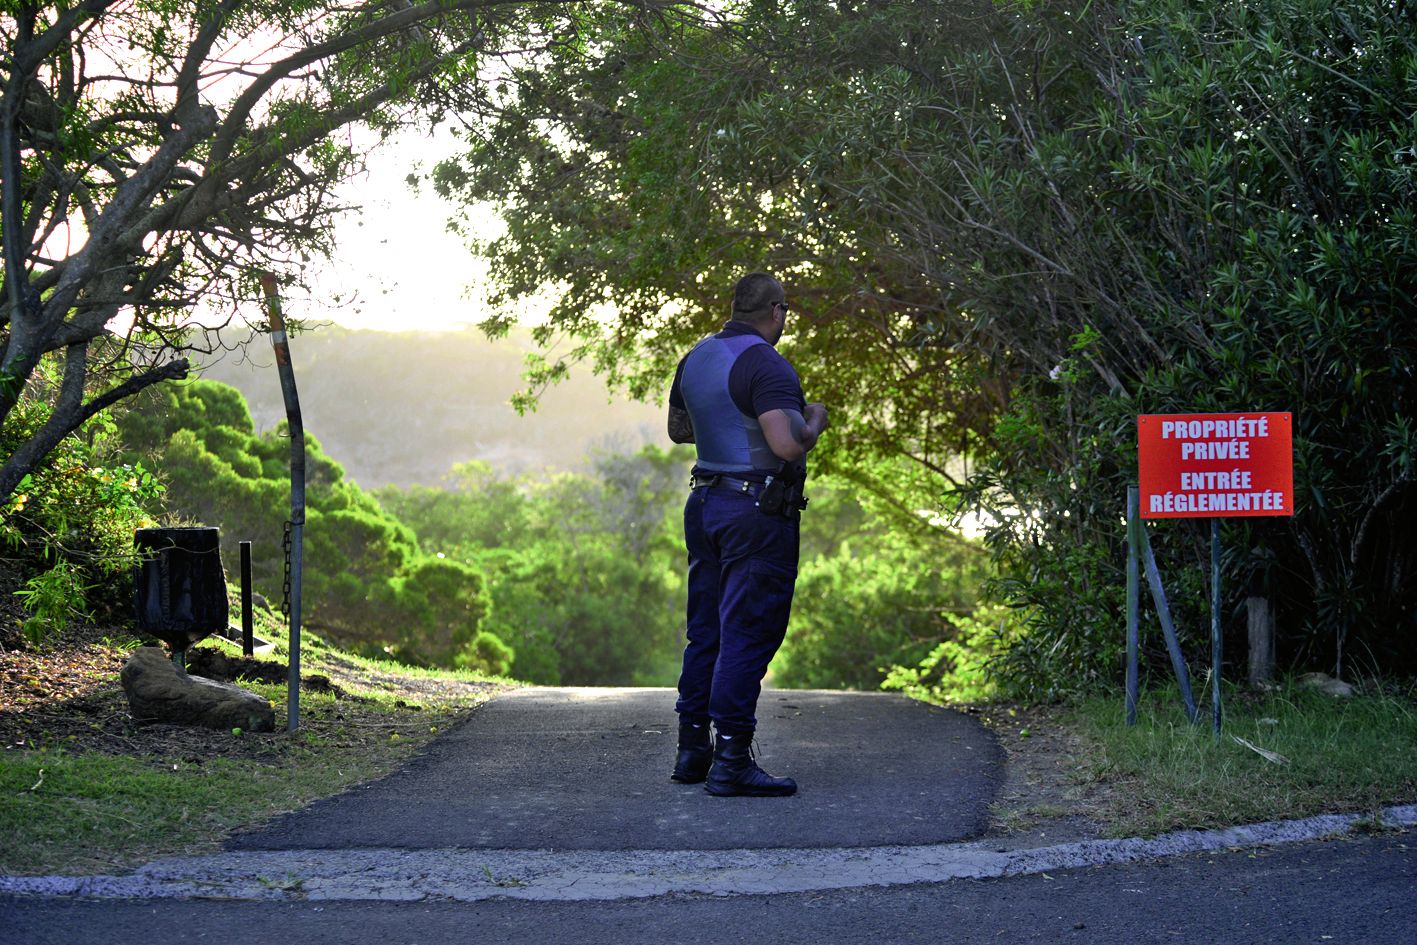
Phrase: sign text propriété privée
(1218, 465)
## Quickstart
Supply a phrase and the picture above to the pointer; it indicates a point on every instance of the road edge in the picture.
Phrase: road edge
(466, 875)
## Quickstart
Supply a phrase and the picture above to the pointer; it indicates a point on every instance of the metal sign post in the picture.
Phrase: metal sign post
(1139, 545)
(1133, 543)
(248, 636)
(1215, 640)
(295, 534)
(1230, 465)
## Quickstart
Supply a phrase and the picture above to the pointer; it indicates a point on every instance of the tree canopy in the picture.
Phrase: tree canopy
(155, 156)
(1009, 229)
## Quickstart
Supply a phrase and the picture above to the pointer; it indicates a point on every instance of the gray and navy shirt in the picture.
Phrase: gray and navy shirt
(725, 383)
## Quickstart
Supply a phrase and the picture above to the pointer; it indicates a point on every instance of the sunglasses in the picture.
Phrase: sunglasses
(782, 305)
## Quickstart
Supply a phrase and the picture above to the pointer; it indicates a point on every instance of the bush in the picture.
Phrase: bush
(962, 668)
(53, 599)
(486, 653)
(70, 522)
(366, 582)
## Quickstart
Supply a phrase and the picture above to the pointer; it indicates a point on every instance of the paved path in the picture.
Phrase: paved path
(549, 816)
(588, 769)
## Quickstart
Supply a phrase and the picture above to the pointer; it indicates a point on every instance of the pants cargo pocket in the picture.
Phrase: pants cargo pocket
(770, 602)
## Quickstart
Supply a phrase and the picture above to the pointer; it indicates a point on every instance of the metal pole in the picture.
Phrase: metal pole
(1168, 629)
(248, 641)
(1215, 642)
(1133, 594)
(297, 486)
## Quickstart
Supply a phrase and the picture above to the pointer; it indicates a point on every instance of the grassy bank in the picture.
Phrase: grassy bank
(1307, 753)
(85, 790)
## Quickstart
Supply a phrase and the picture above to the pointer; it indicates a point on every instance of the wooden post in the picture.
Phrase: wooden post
(248, 636)
(1261, 667)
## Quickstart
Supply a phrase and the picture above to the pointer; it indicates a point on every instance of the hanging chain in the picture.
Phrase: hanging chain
(285, 586)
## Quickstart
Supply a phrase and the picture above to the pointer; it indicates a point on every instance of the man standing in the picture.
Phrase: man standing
(740, 403)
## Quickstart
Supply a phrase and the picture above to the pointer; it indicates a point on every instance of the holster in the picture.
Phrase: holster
(782, 493)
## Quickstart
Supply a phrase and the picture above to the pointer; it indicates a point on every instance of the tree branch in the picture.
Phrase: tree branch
(241, 109)
(59, 425)
(171, 371)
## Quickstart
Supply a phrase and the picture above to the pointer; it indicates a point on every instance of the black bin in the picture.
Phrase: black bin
(179, 587)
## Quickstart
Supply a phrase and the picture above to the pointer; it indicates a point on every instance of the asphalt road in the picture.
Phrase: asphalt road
(1351, 892)
(588, 769)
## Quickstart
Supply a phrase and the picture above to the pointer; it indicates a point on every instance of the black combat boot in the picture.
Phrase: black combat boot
(736, 774)
(695, 752)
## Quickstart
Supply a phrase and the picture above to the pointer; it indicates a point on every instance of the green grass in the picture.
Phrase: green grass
(1343, 755)
(93, 813)
(316, 653)
(316, 656)
(72, 812)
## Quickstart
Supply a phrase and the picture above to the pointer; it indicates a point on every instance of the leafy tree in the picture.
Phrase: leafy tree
(153, 155)
(367, 583)
(447, 602)
(642, 173)
(1010, 229)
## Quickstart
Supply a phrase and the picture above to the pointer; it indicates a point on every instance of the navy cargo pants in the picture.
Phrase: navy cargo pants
(742, 568)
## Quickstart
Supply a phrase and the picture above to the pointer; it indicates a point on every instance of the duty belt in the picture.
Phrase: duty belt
(737, 485)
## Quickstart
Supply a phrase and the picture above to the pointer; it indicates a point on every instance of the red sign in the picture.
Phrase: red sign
(1215, 465)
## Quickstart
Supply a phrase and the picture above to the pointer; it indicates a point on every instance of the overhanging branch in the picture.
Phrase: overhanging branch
(171, 371)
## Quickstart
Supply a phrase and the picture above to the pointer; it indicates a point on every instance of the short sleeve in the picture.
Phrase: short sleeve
(762, 380)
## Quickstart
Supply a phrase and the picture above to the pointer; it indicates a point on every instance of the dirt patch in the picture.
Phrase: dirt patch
(214, 664)
(1046, 796)
(67, 695)
(434, 688)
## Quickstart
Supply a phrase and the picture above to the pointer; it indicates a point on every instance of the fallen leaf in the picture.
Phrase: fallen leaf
(1270, 756)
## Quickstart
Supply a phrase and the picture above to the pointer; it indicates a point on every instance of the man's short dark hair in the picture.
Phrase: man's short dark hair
(754, 297)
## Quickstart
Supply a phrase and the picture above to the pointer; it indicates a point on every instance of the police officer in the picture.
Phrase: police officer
(741, 404)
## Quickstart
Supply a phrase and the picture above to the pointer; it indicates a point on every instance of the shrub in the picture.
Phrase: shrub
(70, 523)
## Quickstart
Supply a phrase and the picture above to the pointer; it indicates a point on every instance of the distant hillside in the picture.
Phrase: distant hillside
(404, 407)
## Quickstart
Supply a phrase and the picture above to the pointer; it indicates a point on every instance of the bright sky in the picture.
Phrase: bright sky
(395, 262)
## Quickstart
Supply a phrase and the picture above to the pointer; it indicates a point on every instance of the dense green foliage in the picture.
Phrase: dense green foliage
(877, 592)
(581, 567)
(586, 574)
(68, 528)
(570, 578)
(366, 583)
(1011, 228)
